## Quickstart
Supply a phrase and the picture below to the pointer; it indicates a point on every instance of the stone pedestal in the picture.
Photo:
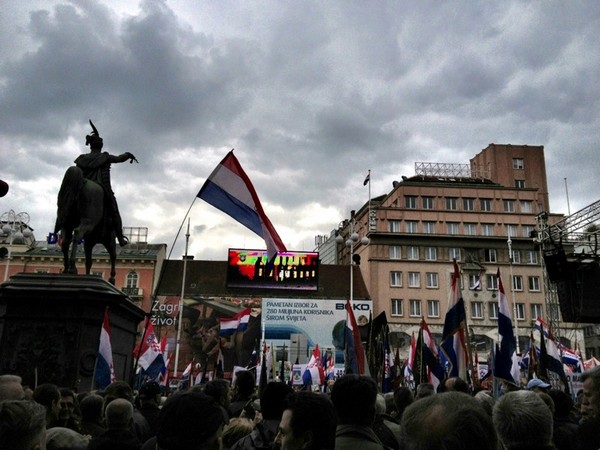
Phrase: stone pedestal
(50, 328)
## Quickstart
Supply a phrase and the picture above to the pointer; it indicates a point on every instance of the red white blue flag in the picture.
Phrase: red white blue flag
(105, 372)
(229, 189)
(148, 349)
(231, 325)
(314, 373)
(506, 366)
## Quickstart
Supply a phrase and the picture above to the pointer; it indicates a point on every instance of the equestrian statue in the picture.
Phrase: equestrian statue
(87, 208)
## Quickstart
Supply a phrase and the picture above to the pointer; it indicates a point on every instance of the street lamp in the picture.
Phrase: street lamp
(353, 240)
(14, 227)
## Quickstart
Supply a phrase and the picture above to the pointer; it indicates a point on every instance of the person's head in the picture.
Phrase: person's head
(537, 385)
(486, 400)
(424, 390)
(590, 402)
(48, 396)
(354, 399)
(190, 420)
(118, 389)
(236, 429)
(380, 404)
(563, 403)
(447, 421)
(522, 420)
(61, 438)
(548, 401)
(403, 397)
(308, 422)
(219, 390)
(150, 392)
(456, 384)
(92, 407)
(243, 387)
(11, 387)
(67, 403)
(271, 400)
(119, 414)
(22, 425)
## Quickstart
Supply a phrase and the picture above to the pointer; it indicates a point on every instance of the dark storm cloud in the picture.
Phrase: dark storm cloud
(311, 96)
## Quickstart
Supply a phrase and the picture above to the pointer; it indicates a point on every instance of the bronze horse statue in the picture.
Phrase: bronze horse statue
(81, 216)
(87, 208)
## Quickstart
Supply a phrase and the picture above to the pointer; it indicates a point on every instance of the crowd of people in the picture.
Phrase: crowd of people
(353, 414)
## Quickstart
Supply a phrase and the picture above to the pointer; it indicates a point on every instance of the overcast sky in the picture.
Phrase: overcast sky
(311, 94)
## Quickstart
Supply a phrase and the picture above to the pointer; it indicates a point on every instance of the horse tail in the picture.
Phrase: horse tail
(67, 195)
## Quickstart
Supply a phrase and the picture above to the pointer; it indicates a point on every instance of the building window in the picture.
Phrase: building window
(520, 184)
(452, 227)
(412, 253)
(527, 231)
(411, 226)
(491, 281)
(494, 310)
(414, 279)
(516, 256)
(394, 226)
(509, 205)
(395, 278)
(397, 307)
(454, 253)
(433, 308)
(511, 230)
(415, 308)
(431, 253)
(517, 283)
(428, 227)
(536, 310)
(520, 311)
(432, 280)
(531, 257)
(470, 229)
(395, 252)
(534, 284)
(451, 203)
(518, 163)
(132, 280)
(487, 229)
(475, 282)
(469, 204)
(485, 204)
(477, 310)
(526, 206)
(427, 202)
(410, 202)
(490, 255)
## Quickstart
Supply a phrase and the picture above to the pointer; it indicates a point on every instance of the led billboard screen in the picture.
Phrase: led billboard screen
(291, 270)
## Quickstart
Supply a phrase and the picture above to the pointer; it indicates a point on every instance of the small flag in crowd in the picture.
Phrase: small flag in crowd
(506, 366)
(149, 349)
(105, 372)
(239, 322)
(314, 373)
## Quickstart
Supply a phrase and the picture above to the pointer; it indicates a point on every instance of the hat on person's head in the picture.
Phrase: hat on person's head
(150, 390)
(537, 383)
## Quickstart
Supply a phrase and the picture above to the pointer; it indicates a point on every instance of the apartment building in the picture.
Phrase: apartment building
(483, 215)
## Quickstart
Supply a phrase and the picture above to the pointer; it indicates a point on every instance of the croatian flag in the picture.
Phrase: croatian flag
(314, 373)
(506, 366)
(105, 372)
(229, 189)
(453, 337)
(430, 353)
(355, 352)
(239, 322)
(148, 350)
(408, 368)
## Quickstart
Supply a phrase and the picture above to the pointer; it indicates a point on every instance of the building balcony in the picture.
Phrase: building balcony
(133, 292)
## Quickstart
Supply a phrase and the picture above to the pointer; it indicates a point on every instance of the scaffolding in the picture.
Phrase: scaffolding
(450, 170)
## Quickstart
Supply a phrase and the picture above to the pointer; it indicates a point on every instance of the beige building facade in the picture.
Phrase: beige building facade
(483, 215)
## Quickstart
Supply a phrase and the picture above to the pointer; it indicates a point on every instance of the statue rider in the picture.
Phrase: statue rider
(96, 167)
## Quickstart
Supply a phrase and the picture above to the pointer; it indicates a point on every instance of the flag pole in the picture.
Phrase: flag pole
(180, 319)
